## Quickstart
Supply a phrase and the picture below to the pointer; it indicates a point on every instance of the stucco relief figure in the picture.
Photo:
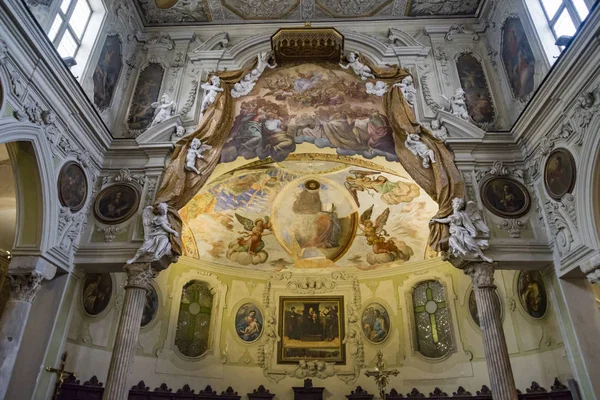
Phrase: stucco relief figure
(244, 86)
(418, 148)
(212, 88)
(457, 104)
(195, 151)
(465, 224)
(156, 235)
(379, 88)
(358, 67)
(438, 130)
(163, 109)
(248, 248)
(392, 193)
(385, 249)
(263, 62)
(408, 90)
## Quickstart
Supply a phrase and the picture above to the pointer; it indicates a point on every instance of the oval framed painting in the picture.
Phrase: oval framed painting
(505, 197)
(248, 323)
(116, 204)
(96, 293)
(72, 186)
(473, 307)
(559, 173)
(375, 323)
(532, 293)
(150, 306)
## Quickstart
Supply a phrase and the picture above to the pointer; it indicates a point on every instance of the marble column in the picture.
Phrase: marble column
(23, 289)
(502, 381)
(139, 277)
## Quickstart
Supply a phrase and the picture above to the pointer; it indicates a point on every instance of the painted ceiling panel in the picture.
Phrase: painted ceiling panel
(177, 12)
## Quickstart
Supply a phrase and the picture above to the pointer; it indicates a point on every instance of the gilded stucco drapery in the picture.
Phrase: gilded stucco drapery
(180, 186)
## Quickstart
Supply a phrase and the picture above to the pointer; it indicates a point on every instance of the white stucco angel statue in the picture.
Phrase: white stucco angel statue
(163, 109)
(358, 67)
(156, 235)
(408, 90)
(244, 86)
(418, 148)
(457, 104)
(378, 89)
(465, 223)
(438, 130)
(212, 88)
(195, 151)
(263, 62)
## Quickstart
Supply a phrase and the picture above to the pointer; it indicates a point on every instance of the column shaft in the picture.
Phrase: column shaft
(121, 363)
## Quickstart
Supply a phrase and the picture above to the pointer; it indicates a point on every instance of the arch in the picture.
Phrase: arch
(36, 189)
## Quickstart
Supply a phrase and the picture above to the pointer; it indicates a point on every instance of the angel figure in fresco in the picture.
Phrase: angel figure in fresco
(375, 232)
(418, 148)
(392, 193)
(212, 88)
(156, 235)
(465, 224)
(250, 240)
(358, 67)
(195, 151)
(457, 104)
(163, 109)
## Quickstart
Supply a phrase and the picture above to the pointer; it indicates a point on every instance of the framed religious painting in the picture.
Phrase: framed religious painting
(518, 59)
(96, 293)
(150, 306)
(311, 328)
(532, 293)
(375, 323)
(116, 204)
(72, 186)
(249, 323)
(505, 197)
(473, 307)
(559, 173)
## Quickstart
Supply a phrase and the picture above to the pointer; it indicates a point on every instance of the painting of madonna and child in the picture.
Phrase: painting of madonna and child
(311, 328)
(309, 103)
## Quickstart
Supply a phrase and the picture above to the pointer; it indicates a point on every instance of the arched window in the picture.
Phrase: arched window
(193, 323)
(564, 16)
(432, 320)
(69, 26)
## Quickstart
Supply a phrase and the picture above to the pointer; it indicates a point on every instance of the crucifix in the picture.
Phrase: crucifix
(381, 374)
(61, 374)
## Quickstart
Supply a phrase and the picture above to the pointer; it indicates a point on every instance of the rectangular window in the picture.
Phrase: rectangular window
(69, 26)
(564, 16)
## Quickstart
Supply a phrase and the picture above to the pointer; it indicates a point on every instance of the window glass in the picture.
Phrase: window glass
(193, 323)
(68, 46)
(564, 25)
(432, 319)
(64, 7)
(80, 17)
(55, 27)
(551, 7)
(581, 8)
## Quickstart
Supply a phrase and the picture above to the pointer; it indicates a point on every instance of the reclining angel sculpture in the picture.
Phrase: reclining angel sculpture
(465, 223)
(156, 235)
(358, 67)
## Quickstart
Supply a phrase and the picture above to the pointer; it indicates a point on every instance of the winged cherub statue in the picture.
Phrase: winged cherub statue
(163, 109)
(378, 89)
(418, 148)
(465, 223)
(212, 88)
(457, 104)
(195, 151)
(358, 67)
(156, 235)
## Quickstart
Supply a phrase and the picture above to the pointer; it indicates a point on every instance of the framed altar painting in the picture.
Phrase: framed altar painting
(72, 186)
(375, 323)
(116, 204)
(96, 293)
(311, 328)
(505, 197)
(559, 173)
(248, 323)
(532, 293)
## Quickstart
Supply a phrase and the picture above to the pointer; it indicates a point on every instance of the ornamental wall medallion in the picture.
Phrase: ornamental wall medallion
(505, 197)
(96, 293)
(72, 186)
(559, 173)
(116, 204)
(249, 323)
(532, 293)
(375, 323)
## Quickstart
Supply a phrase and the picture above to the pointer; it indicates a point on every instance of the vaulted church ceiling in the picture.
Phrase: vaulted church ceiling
(218, 11)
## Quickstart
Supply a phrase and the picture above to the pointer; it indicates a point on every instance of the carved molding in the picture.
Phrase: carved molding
(498, 169)
(125, 176)
(482, 274)
(24, 287)
(139, 275)
(460, 29)
(69, 228)
(110, 232)
(513, 226)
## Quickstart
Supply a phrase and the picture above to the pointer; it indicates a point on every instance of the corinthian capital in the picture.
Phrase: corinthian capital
(24, 287)
(139, 275)
(481, 273)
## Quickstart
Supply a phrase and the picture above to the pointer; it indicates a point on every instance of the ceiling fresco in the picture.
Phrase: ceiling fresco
(160, 12)
(310, 211)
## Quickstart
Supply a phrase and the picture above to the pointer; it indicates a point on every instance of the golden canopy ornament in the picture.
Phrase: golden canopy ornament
(307, 44)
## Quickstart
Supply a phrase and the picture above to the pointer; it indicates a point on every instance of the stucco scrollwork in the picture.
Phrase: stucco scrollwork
(125, 176)
(460, 29)
(498, 169)
(560, 228)
(513, 226)
(139, 275)
(431, 103)
(110, 232)
(69, 227)
(310, 285)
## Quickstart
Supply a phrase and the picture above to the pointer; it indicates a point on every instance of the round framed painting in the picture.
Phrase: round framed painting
(116, 204)
(96, 293)
(505, 197)
(532, 293)
(150, 306)
(559, 173)
(375, 323)
(72, 186)
(248, 322)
